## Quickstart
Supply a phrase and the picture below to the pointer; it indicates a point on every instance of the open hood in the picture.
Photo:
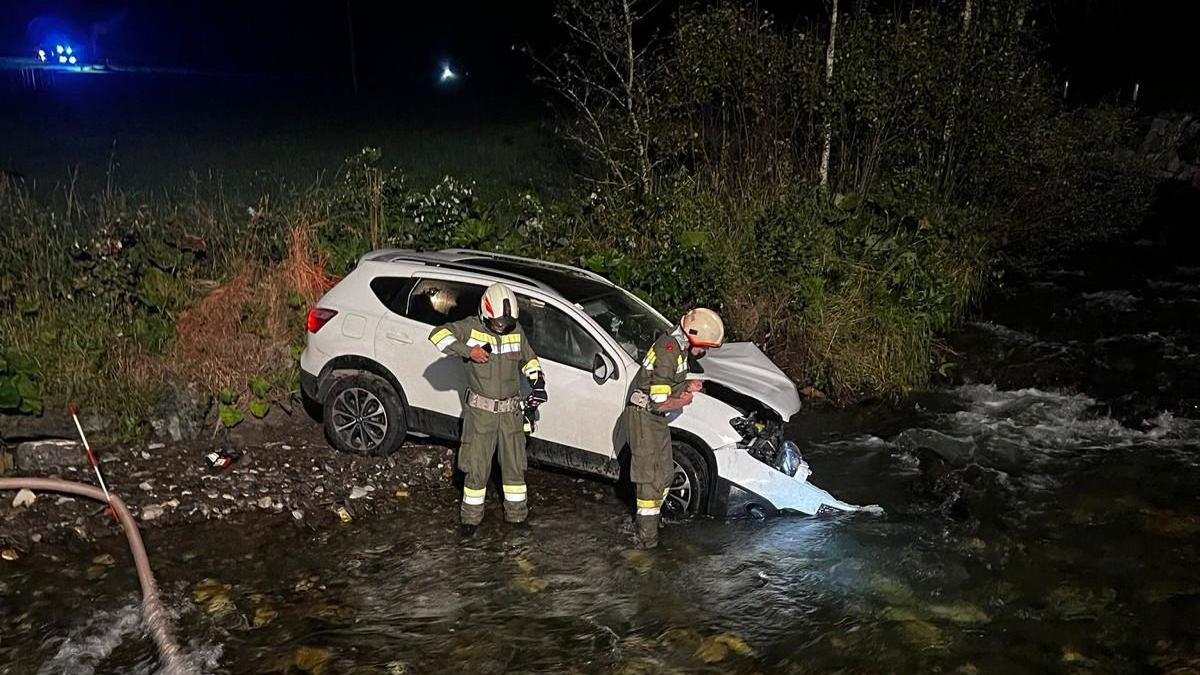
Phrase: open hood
(744, 368)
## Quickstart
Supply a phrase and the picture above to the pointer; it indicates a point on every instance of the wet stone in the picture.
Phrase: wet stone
(39, 456)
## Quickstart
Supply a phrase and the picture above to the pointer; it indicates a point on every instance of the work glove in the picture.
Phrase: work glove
(537, 396)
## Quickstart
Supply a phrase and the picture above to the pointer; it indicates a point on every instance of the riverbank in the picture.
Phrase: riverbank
(292, 474)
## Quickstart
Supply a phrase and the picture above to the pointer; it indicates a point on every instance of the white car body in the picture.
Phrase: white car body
(578, 427)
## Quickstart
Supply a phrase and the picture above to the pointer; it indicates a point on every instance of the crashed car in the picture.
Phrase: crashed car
(368, 364)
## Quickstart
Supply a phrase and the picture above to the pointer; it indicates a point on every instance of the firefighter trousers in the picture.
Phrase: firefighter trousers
(484, 432)
(651, 467)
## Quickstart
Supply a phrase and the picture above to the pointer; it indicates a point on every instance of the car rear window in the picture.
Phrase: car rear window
(438, 301)
(393, 292)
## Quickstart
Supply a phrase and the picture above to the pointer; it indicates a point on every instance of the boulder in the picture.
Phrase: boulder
(954, 451)
(40, 456)
(181, 412)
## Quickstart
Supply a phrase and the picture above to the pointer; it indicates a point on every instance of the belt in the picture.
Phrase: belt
(494, 405)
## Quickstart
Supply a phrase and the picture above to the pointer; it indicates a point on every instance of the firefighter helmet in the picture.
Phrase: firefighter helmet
(498, 309)
(703, 328)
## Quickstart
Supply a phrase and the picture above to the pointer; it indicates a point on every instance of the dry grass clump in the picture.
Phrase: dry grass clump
(247, 326)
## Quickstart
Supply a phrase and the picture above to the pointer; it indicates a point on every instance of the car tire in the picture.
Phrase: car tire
(364, 415)
(688, 495)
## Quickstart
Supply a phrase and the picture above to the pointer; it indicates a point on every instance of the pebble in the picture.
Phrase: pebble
(144, 454)
(145, 486)
(265, 502)
(152, 512)
(154, 446)
(298, 514)
(24, 498)
(358, 492)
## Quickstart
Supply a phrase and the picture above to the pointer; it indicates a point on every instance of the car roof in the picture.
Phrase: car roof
(571, 283)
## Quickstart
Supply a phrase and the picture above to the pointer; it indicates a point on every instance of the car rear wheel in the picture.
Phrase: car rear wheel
(363, 414)
(688, 491)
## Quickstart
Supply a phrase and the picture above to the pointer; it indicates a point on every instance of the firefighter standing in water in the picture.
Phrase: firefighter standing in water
(497, 353)
(660, 387)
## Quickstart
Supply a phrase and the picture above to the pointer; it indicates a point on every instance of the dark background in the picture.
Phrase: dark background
(1102, 46)
(257, 88)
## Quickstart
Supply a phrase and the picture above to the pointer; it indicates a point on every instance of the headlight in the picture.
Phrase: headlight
(789, 461)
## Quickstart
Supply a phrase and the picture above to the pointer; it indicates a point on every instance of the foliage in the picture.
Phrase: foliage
(20, 385)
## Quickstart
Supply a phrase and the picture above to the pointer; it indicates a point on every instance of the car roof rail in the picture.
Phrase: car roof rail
(442, 260)
(534, 262)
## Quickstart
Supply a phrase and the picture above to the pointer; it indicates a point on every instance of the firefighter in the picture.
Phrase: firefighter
(659, 388)
(496, 354)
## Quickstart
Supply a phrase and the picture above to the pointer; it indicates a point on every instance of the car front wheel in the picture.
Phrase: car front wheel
(688, 492)
(363, 414)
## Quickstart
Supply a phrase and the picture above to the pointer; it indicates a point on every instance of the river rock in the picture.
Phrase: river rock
(24, 498)
(953, 450)
(152, 512)
(181, 412)
(39, 456)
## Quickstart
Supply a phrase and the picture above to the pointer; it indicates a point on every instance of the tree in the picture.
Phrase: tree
(601, 74)
(827, 127)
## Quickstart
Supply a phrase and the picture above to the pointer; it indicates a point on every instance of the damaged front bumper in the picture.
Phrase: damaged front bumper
(764, 475)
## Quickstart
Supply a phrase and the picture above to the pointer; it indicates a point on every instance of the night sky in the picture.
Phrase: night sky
(1103, 46)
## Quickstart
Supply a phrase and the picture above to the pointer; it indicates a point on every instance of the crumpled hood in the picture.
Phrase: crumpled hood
(744, 368)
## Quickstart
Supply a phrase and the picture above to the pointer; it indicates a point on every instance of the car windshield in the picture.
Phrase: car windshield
(631, 323)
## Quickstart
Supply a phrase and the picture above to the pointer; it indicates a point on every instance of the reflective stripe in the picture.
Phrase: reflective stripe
(666, 491)
(514, 489)
(681, 365)
(442, 339)
(509, 348)
(514, 496)
(660, 389)
(474, 497)
(533, 366)
(510, 338)
(649, 512)
(649, 503)
(650, 360)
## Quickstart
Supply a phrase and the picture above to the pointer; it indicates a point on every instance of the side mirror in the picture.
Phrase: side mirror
(603, 368)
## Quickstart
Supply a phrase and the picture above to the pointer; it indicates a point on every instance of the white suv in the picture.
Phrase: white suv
(369, 364)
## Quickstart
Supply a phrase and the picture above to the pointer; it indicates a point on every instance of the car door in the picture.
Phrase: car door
(580, 414)
(432, 381)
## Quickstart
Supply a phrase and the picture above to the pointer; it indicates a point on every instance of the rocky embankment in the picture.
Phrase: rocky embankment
(295, 475)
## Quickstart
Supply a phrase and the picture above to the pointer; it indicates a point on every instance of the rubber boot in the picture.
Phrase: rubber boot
(647, 532)
(516, 512)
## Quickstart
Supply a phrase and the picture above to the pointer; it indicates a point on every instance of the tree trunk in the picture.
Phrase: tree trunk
(943, 167)
(827, 127)
(631, 95)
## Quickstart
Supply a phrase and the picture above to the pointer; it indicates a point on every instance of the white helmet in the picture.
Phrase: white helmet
(498, 309)
(703, 328)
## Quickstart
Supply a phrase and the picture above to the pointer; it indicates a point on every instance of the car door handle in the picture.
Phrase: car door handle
(399, 337)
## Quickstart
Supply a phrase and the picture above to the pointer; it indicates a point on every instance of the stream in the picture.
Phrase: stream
(1042, 516)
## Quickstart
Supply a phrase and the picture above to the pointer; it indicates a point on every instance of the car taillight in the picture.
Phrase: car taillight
(318, 317)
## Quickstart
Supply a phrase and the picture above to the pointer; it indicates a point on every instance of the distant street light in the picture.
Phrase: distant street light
(447, 73)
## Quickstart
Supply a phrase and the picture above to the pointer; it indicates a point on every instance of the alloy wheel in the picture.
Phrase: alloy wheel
(359, 419)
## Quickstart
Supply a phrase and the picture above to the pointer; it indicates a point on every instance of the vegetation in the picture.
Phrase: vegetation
(705, 134)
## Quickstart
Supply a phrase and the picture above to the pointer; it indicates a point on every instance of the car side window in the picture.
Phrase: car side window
(393, 292)
(438, 301)
(555, 336)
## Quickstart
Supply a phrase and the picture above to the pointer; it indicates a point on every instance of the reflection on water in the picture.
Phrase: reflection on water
(1030, 528)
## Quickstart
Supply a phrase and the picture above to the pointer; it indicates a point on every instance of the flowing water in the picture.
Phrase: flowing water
(1042, 516)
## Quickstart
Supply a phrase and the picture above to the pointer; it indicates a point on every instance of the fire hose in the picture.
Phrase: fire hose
(158, 622)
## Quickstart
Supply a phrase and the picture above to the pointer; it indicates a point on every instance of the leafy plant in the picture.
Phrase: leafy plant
(20, 385)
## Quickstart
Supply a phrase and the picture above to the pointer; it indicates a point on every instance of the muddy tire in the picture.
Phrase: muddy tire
(688, 494)
(364, 415)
